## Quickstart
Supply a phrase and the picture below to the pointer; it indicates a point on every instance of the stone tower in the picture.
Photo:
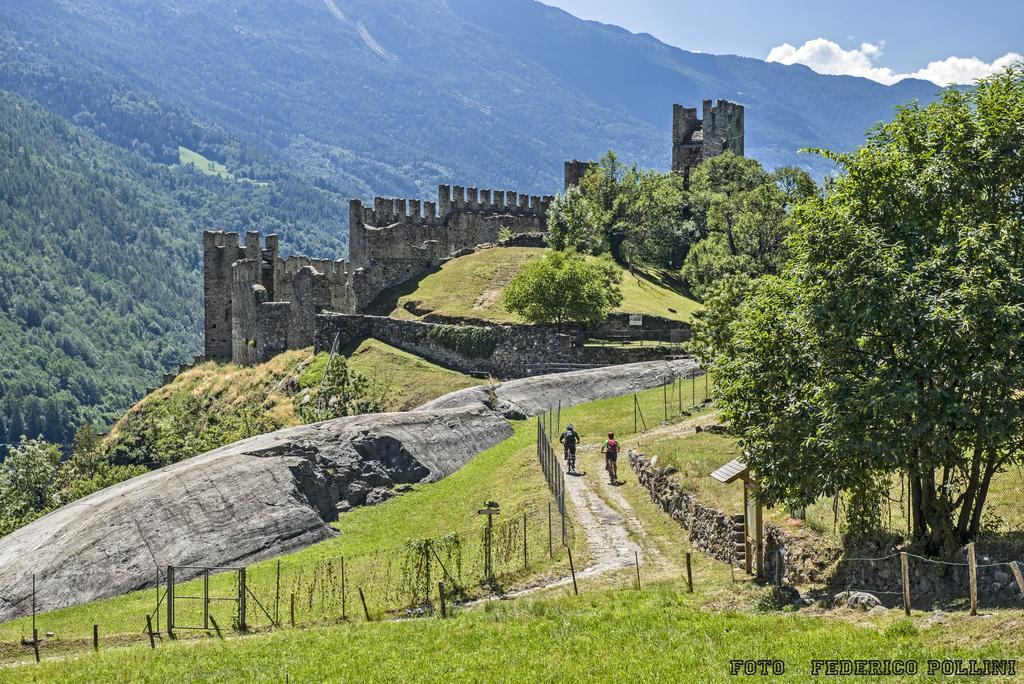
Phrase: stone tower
(694, 140)
(575, 170)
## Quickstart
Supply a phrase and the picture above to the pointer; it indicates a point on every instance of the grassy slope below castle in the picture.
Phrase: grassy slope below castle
(661, 634)
(216, 404)
(471, 287)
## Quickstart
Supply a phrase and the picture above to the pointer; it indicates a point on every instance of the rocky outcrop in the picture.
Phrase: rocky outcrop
(274, 493)
(532, 396)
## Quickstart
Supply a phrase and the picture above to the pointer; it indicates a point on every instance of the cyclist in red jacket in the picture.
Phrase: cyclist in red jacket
(611, 456)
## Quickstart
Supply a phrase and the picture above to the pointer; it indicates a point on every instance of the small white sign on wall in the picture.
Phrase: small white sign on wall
(636, 320)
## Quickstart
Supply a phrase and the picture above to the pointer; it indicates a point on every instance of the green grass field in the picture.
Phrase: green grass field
(658, 635)
(187, 157)
(471, 287)
(608, 633)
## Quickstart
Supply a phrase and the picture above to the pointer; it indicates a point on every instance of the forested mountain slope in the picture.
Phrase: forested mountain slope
(394, 97)
(99, 271)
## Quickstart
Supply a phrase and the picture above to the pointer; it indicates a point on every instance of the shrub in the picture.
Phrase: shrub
(472, 341)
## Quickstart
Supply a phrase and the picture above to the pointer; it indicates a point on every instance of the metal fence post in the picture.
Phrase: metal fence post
(241, 600)
(170, 601)
(206, 598)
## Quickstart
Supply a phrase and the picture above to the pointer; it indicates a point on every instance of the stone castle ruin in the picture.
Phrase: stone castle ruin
(258, 304)
(694, 140)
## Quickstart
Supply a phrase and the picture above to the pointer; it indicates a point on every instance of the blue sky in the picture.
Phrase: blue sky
(885, 40)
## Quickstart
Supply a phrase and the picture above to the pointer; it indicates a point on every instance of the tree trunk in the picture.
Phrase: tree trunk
(615, 246)
(979, 503)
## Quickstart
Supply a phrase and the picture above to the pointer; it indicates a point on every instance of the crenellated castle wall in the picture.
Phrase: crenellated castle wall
(462, 218)
(258, 304)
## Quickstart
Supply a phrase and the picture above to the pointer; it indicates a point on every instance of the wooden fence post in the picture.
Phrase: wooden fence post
(972, 561)
(440, 593)
(241, 601)
(526, 564)
(170, 601)
(689, 574)
(362, 598)
(1015, 567)
(35, 643)
(636, 557)
(277, 596)
(292, 603)
(96, 637)
(905, 565)
(572, 569)
(149, 628)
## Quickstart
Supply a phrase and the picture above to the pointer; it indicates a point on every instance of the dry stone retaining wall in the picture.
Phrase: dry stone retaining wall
(805, 559)
(519, 350)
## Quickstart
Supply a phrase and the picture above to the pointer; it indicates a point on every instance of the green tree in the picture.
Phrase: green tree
(744, 212)
(26, 478)
(344, 392)
(892, 341)
(565, 287)
(627, 212)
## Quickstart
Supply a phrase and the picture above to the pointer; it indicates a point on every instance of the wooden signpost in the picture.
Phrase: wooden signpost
(490, 509)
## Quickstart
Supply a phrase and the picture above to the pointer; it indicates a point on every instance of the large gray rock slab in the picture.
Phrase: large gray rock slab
(532, 396)
(527, 397)
(251, 500)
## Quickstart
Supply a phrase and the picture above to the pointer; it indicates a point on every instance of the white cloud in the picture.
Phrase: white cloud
(964, 69)
(828, 57)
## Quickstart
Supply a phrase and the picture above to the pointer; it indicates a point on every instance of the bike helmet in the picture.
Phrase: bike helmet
(611, 435)
(569, 426)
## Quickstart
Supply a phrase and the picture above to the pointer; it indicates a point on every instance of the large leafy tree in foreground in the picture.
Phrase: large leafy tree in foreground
(893, 342)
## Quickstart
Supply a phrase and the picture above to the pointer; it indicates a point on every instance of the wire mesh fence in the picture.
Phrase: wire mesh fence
(396, 580)
(391, 580)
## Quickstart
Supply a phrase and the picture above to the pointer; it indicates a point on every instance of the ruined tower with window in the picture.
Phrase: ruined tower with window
(694, 140)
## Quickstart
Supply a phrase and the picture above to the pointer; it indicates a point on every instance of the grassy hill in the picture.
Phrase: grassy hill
(471, 287)
(216, 404)
(661, 633)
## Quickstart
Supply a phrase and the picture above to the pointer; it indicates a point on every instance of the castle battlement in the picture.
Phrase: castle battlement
(462, 218)
(452, 199)
(258, 304)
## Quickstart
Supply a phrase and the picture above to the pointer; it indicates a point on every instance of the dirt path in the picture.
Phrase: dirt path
(615, 534)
